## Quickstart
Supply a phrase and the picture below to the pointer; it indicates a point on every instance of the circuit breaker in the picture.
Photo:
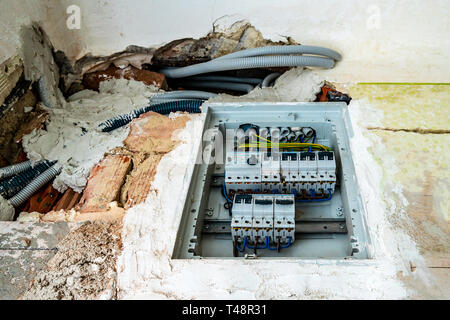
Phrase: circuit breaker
(262, 219)
(284, 172)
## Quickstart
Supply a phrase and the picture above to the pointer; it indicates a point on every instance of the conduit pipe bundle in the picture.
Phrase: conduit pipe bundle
(263, 57)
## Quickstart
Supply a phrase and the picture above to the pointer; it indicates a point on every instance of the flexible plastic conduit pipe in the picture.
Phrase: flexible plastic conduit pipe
(9, 171)
(34, 186)
(43, 93)
(248, 63)
(226, 79)
(183, 94)
(13, 185)
(281, 50)
(233, 86)
(191, 106)
(271, 77)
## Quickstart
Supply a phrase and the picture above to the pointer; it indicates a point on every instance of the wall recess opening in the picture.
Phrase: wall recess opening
(276, 180)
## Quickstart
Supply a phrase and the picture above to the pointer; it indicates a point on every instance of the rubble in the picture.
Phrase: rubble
(242, 35)
(84, 266)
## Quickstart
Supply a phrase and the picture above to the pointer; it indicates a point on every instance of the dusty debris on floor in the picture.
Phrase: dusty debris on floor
(25, 249)
(84, 266)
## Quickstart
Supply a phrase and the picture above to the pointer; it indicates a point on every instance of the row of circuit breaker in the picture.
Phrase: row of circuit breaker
(260, 217)
(282, 172)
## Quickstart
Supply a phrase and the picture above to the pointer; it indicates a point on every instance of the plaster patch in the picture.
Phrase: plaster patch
(72, 135)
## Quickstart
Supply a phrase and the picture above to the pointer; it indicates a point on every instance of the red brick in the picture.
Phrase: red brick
(92, 80)
(105, 182)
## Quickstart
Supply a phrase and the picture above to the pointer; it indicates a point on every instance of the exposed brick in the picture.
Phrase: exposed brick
(153, 132)
(139, 181)
(104, 183)
(92, 80)
(42, 201)
(69, 199)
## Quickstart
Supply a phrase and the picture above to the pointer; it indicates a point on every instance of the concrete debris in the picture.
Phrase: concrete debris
(242, 35)
(297, 84)
(84, 266)
(6, 210)
(72, 135)
(111, 213)
(92, 80)
(134, 56)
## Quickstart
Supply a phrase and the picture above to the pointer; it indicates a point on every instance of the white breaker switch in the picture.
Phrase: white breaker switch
(258, 216)
(243, 171)
(281, 172)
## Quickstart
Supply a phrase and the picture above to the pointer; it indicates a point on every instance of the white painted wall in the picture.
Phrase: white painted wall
(50, 14)
(381, 40)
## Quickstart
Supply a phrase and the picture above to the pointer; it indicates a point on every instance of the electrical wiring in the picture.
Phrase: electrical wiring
(257, 247)
(244, 244)
(225, 194)
(285, 246)
(330, 195)
(285, 145)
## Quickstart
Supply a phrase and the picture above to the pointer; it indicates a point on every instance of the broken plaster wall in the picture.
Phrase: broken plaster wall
(73, 135)
(51, 15)
(382, 40)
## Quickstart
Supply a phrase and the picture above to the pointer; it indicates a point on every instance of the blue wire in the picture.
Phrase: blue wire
(268, 245)
(225, 193)
(244, 243)
(264, 247)
(288, 244)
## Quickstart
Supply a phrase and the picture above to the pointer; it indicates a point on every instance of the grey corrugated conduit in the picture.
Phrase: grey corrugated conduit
(35, 185)
(226, 79)
(263, 57)
(183, 94)
(282, 50)
(248, 63)
(11, 170)
(43, 93)
(234, 86)
(270, 78)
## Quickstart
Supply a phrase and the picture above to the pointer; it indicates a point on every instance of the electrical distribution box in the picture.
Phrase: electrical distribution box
(282, 185)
